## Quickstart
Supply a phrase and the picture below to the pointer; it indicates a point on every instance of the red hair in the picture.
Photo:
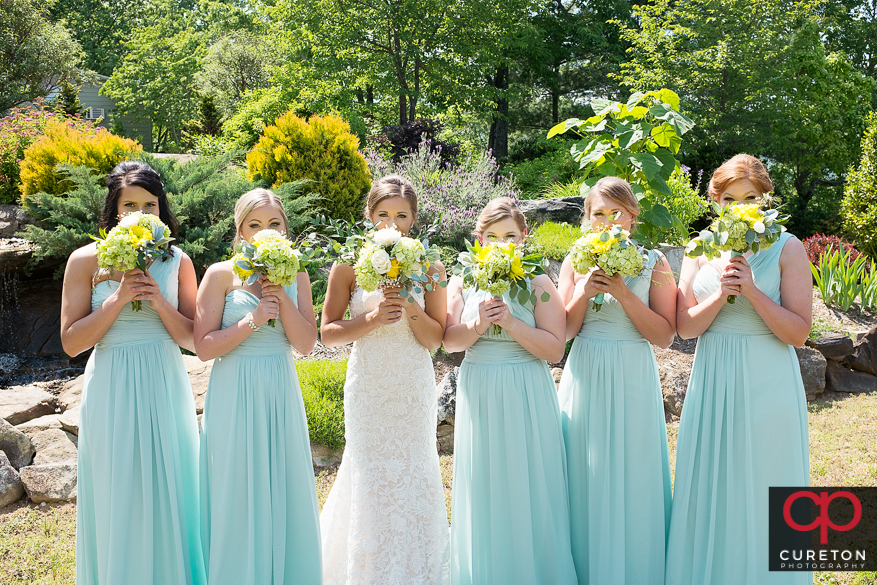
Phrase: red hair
(742, 166)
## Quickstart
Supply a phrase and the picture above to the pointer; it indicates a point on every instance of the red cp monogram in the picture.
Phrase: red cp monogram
(823, 522)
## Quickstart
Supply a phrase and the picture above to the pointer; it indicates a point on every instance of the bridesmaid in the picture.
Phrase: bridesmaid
(744, 423)
(510, 520)
(612, 408)
(137, 518)
(260, 521)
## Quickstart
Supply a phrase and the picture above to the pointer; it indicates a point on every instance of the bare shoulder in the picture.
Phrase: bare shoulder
(219, 275)
(544, 281)
(343, 275)
(83, 259)
(793, 249)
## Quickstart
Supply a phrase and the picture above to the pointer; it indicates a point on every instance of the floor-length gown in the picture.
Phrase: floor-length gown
(743, 429)
(616, 448)
(259, 502)
(385, 521)
(509, 507)
(137, 514)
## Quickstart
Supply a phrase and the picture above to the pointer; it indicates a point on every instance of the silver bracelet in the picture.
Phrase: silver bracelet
(249, 319)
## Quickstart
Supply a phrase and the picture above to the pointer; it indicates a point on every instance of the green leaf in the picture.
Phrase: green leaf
(634, 99)
(668, 163)
(546, 297)
(647, 163)
(602, 107)
(596, 154)
(563, 127)
(665, 135)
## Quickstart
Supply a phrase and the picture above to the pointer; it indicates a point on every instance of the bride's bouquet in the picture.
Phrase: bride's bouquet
(499, 268)
(387, 258)
(268, 253)
(738, 228)
(138, 238)
(610, 249)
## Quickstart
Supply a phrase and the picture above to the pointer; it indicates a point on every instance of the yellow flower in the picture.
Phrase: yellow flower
(139, 235)
(517, 268)
(395, 269)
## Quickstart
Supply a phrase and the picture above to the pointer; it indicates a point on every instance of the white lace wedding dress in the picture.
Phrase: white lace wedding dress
(385, 522)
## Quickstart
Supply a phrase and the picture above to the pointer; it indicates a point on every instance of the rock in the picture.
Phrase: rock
(54, 446)
(813, 365)
(553, 269)
(17, 446)
(55, 482)
(556, 373)
(199, 376)
(559, 210)
(43, 423)
(864, 356)
(71, 394)
(30, 314)
(674, 255)
(11, 488)
(446, 397)
(444, 435)
(13, 219)
(323, 456)
(833, 347)
(70, 420)
(840, 379)
(24, 403)
(200, 419)
(674, 385)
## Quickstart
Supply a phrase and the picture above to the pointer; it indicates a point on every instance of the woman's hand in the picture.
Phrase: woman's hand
(491, 311)
(737, 277)
(268, 308)
(137, 286)
(394, 293)
(603, 283)
(270, 289)
(389, 310)
(591, 280)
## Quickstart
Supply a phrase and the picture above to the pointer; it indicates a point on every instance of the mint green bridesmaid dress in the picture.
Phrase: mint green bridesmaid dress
(137, 514)
(612, 414)
(259, 502)
(509, 506)
(743, 429)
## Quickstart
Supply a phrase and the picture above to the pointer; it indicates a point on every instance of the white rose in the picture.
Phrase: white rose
(758, 227)
(381, 261)
(387, 237)
(267, 235)
(129, 220)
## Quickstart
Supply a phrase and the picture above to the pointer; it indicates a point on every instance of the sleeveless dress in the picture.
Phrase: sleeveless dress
(510, 510)
(385, 521)
(743, 429)
(259, 503)
(616, 448)
(137, 516)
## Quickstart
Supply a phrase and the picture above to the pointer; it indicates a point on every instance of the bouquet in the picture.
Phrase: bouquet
(138, 236)
(269, 253)
(387, 258)
(609, 248)
(499, 268)
(738, 228)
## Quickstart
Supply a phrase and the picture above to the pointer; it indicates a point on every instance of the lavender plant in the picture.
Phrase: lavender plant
(449, 198)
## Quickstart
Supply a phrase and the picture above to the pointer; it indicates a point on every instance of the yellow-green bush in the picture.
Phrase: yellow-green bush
(65, 143)
(321, 149)
(322, 388)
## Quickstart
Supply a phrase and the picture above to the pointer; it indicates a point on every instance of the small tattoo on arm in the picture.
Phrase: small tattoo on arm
(413, 317)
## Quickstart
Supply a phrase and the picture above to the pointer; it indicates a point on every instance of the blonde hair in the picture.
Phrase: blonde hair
(497, 210)
(742, 166)
(387, 187)
(618, 190)
(250, 201)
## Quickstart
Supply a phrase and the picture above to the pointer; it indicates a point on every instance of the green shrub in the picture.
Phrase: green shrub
(535, 176)
(572, 188)
(321, 149)
(322, 387)
(553, 240)
(254, 114)
(202, 192)
(686, 203)
(859, 207)
(63, 142)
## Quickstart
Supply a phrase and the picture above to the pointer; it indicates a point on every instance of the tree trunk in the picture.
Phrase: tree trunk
(412, 99)
(403, 109)
(498, 141)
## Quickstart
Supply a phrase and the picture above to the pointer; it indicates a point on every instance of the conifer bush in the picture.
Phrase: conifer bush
(859, 206)
(64, 142)
(322, 150)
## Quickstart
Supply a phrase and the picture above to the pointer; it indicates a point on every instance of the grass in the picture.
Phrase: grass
(553, 240)
(37, 543)
(322, 387)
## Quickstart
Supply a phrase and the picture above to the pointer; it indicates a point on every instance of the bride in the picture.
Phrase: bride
(385, 521)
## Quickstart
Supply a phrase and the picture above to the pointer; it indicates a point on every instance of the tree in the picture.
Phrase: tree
(859, 210)
(36, 56)
(237, 63)
(756, 77)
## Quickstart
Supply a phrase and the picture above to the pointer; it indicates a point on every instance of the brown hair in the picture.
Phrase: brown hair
(391, 186)
(742, 166)
(250, 201)
(497, 210)
(618, 190)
